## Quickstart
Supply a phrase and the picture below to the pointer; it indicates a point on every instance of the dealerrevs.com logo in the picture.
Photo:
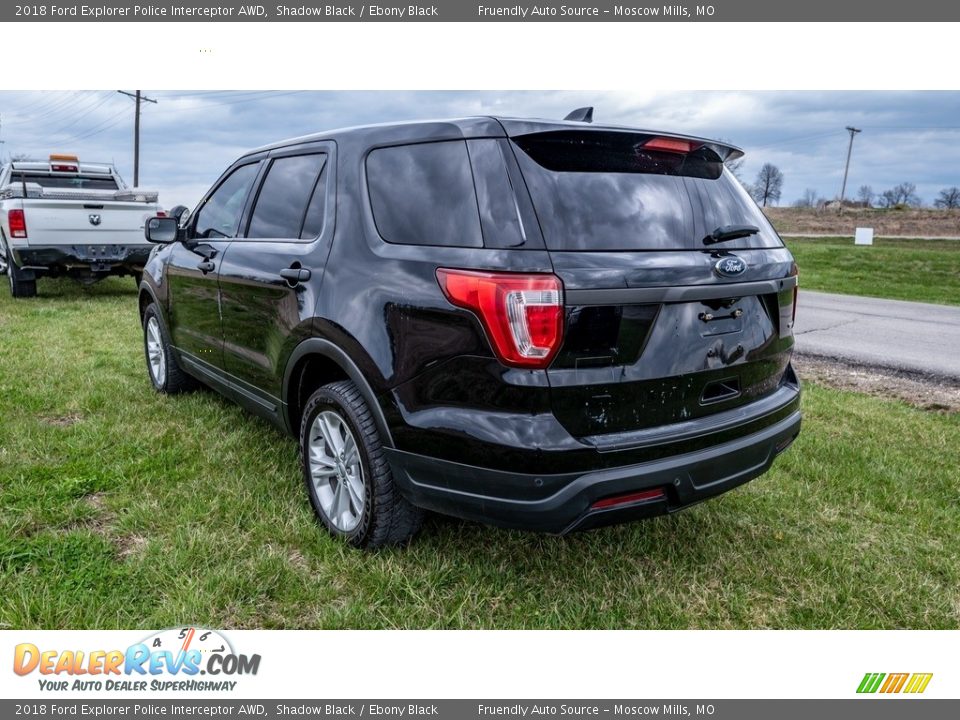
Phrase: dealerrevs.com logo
(179, 659)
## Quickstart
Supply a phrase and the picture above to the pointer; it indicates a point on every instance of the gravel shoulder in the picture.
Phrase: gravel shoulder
(931, 393)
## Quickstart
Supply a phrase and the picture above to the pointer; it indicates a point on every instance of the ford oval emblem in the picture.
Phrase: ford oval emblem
(730, 266)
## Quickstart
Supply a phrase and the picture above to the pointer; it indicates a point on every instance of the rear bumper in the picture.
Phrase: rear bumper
(562, 503)
(95, 259)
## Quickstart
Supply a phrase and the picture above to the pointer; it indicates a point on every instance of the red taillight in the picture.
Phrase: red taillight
(522, 314)
(795, 271)
(161, 213)
(670, 144)
(64, 168)
(643, 495)
(18, 223)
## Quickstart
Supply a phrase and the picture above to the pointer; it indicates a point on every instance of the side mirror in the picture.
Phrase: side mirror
(161, 230)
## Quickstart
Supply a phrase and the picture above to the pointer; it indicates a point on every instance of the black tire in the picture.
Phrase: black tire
(23, 284)
(170, 378)
(137, 277)
(387, 518)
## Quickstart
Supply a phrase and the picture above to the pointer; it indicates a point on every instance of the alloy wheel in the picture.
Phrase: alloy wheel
(155, 356)
(336, 471)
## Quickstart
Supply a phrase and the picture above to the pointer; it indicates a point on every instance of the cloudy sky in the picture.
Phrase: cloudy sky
(189, 137)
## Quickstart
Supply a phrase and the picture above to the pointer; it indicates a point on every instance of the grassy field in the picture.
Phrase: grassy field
(922, 270)
(123, 508)
(906, 222)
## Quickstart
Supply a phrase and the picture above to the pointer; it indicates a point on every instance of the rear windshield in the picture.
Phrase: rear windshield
(602, 191)
(71, 182)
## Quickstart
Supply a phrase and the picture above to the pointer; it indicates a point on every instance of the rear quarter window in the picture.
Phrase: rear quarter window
(424, 194)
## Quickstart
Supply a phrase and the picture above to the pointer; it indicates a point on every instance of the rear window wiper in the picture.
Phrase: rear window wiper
(730, 232)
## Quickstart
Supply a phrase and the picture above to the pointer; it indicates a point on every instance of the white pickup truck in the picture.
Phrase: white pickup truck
(67, 218)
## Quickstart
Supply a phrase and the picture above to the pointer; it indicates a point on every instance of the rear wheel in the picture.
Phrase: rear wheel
(165, 374)
(346, 473)
(23, 284)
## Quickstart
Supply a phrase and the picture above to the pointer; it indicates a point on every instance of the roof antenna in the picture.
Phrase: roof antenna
(584, 114)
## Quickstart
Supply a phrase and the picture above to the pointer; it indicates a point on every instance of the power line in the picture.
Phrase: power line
(907, 127)
(207, 105)
(89, 110)
(97, 129)
(63, 105)
(798, 138)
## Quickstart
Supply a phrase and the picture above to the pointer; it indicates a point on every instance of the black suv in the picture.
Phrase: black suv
(536, 324)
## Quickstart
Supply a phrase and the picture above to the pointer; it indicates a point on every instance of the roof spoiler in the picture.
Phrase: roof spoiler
(584, 114)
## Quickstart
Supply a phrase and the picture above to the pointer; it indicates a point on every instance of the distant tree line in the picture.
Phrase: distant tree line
(903, 195)
(767, 190)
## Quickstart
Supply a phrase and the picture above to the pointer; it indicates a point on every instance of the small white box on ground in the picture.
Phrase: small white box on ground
(863, 236)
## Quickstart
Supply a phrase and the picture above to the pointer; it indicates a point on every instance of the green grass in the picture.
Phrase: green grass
(920, 270)
(124, 508)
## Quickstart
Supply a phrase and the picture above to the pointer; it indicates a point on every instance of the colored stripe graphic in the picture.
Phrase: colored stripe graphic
(870, 682)
(918, 682)
(894, 683)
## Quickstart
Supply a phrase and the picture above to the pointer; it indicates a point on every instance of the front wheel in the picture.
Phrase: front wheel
(347, 475)
(165, 374)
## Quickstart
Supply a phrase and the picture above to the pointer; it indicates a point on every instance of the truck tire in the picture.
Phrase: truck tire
(165, 374)
(22, 284)
(347, 475)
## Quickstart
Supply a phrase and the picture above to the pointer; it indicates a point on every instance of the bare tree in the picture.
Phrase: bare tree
(769, 184)
(949, 198)
(18, 157)
(809, 199)
(902, 195)
(865, 195)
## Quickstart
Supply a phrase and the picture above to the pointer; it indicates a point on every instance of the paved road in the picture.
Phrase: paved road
(848, 236)
(911, 336)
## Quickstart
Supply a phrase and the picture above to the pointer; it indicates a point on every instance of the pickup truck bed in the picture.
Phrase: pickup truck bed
(79, 222)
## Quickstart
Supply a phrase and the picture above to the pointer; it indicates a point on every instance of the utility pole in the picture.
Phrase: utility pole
(138, 97)
(843, 189)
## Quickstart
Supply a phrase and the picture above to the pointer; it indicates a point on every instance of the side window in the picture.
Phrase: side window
(317, 209)
(500, 215)
(424, 194)
(282, 204)
(220, 214)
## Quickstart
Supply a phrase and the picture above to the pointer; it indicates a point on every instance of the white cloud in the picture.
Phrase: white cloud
(189, 137)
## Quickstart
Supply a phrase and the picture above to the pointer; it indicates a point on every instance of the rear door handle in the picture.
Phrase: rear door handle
(206, 266)
(295, 275)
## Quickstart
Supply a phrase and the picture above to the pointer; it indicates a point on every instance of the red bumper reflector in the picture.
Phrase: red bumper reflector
(655, 494)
